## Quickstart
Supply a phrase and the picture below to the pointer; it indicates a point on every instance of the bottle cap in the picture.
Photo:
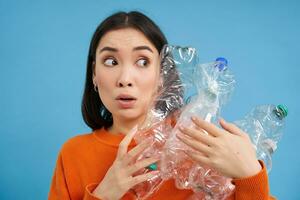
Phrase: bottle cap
(152, 167)
(283, 109)
(222, 65)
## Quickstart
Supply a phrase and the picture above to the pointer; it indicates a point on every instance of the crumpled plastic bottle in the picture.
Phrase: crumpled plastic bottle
(264, 124)
(214, 83)
(177, 66)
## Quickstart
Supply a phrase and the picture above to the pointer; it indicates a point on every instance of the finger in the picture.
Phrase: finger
(195, 145)
(143, 177)
(207, 126)
(197, 135)
(133, 153)
(198, 157)
(141, 164)
(123, 146)
(207, 119)
(231, 128)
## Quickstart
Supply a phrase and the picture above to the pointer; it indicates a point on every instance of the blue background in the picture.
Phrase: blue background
(43, 52)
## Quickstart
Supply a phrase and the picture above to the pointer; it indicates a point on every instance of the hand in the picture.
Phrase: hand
(118, 179)
(228, 150)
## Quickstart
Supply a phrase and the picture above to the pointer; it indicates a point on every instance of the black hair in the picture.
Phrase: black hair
(94, 113)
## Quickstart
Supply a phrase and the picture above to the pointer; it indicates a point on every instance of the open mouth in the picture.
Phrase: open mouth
(126, 103)
(126, 99)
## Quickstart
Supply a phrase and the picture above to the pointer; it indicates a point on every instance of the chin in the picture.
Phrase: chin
(130, 114)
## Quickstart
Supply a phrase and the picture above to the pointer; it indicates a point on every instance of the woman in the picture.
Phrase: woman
(122, 79)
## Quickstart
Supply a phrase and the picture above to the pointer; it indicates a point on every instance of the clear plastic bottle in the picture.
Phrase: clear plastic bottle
(177, 66)
(214, 85)
(264, 125)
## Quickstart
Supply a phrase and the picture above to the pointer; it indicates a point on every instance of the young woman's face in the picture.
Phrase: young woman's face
(126, 73)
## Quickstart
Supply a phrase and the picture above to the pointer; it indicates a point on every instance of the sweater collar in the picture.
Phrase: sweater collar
(112, 139)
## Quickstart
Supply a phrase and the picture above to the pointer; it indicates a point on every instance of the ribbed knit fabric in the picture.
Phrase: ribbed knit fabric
(84, 160)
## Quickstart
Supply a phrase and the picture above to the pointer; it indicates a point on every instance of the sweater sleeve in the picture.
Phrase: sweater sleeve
(88, 193)
(91, 187)
(59, 187)
(253, 187)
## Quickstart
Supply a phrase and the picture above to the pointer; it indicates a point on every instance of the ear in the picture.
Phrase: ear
(94, 73)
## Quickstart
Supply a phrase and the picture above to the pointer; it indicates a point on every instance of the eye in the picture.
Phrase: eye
(143, 62)
(110, 62)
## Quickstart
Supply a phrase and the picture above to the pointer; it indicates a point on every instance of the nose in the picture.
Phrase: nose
(124, 84)
(125, 78)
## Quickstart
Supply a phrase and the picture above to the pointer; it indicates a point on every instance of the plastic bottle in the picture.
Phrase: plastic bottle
(214, 84)
(264, 124)
(177, 65)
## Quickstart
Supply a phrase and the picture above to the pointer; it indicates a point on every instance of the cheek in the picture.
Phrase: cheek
(104, 81)
(148, 87)
(105, 87)
(150, 79)
(149, 84)
(105, 78)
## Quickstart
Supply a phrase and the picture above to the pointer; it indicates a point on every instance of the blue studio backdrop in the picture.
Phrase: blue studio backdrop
(43, 53)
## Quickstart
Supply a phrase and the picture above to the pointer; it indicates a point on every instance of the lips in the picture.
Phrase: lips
(126, 101)
(125, 97)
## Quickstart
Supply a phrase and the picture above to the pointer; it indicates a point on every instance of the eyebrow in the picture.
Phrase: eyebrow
(142, 48)
(134, 49)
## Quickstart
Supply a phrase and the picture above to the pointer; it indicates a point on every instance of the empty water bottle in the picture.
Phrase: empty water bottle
(177, 65)
(214, 83)
(264, 125)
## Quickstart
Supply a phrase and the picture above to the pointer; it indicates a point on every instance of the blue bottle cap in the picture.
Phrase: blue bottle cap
(222, 63)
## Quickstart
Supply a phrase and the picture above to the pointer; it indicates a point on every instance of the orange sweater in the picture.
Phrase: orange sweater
(84, 160)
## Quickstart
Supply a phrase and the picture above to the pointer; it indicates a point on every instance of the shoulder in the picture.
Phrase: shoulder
(77, 143)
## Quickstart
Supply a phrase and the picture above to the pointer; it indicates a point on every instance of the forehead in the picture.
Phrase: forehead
(125, 38)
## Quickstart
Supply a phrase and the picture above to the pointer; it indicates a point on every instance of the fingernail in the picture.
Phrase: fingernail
(134, 129)
(155, 172)
(194, 118)
(153, 175)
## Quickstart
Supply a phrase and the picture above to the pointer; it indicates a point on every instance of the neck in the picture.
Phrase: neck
(124, 126)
